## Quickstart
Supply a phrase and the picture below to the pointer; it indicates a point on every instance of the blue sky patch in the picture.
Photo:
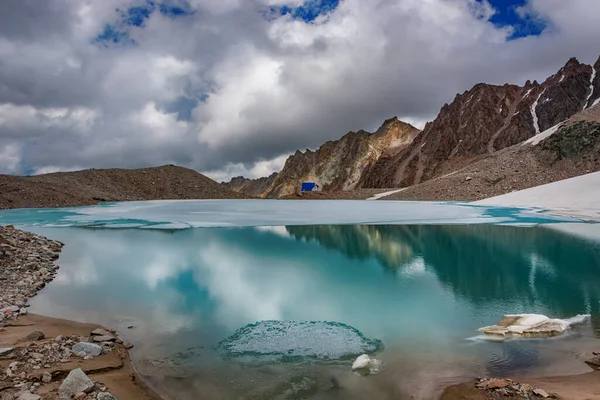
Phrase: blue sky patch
(310, 10)
(137, 16)
(507, 15)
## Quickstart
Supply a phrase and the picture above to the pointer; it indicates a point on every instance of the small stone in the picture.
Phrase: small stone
(23, 311)
(59, 338)
(468, 178)
(5, 350)
(47, 377)
(80, 395)
(105, 396)
(35, 335)
(76, 382)
(101, 332)
(107, 338)
(28, 396)
(127, 345)
(88, 357)
(541, 392)
(90, 348)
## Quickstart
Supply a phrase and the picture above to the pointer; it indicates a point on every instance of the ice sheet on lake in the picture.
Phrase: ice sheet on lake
(308, 339)
(183, 214)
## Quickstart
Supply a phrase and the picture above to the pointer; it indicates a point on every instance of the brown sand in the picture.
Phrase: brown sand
(114, 369)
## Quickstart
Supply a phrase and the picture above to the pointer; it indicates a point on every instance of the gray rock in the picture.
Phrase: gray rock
(23, 311)
(127, 345)
(90, 348)
(35, 335)
(107, 338)
(29, 396)
(101, 332)
(47, 377)
(105, 396)
(76, 382)
(5, 350)
(10, 308)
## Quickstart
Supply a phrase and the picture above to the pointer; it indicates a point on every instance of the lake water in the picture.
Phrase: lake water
(274, 300)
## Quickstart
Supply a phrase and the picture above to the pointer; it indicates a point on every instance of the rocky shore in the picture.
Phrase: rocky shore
(46, 358)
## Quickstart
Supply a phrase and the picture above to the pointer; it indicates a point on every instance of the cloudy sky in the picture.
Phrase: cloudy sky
(231, 87)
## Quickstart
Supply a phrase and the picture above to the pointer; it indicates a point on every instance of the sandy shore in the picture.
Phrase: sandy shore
(48, 358)
(112, 371)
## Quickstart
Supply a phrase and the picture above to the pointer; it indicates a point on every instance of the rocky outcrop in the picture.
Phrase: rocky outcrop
(250, 187)
(486, 119)
(336, 165)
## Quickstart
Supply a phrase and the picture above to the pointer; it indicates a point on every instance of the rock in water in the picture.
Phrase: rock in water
(314, 339)
(366, 365)
(530, 325)
(86, 347)
(77, 381)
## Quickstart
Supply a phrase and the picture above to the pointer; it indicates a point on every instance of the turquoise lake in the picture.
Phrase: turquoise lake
(274, 300)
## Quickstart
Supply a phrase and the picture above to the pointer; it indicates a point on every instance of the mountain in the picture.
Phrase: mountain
(485, 119)
(336, 165)
(479, 122)
(568, 149)
(65, 189)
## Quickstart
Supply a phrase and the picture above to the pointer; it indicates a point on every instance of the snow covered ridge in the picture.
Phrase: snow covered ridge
(541, 136)
(531, 326)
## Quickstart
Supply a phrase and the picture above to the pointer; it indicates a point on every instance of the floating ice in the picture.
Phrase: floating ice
(313, 339)
(531, 326)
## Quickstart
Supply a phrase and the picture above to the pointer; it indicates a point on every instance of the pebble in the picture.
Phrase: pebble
(105, 396)
(107, 338)
(47, 377)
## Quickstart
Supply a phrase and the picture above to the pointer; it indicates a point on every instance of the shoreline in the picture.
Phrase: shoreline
(43, 357)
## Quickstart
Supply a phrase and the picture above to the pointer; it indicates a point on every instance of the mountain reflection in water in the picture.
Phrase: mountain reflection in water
(422, 290)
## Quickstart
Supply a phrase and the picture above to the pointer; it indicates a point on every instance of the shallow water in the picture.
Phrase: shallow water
(422, 290)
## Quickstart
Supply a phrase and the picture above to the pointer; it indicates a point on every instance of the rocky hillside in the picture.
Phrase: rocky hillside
(91, 186)
(251, 187)
(479, 122)
(486, 119)
(569, 149)
(336, 165)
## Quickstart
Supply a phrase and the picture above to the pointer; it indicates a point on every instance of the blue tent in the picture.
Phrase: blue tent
(308, 186)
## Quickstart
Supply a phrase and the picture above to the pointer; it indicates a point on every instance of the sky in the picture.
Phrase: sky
(232, 87)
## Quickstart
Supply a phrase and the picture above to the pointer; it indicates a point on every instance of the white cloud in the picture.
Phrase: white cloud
(268, 86)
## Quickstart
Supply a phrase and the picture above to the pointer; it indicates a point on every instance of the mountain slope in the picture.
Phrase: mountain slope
(485, 119)
(86, 187)
(336, 165)
(569, 149)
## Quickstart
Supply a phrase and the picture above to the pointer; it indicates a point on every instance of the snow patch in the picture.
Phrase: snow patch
(562, 78)
(541, 136)
(591, 88)
(527, 94)
(596, 102)
(385, 194)
(534, 113)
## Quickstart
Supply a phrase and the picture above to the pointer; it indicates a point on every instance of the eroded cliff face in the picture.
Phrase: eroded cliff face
(485, 119)
(478, 122)
(336, 165)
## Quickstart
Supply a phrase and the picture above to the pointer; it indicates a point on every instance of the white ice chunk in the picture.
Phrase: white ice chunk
(366, 365)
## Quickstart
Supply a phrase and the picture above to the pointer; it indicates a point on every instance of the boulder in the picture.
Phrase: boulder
(76, 382)
(105, 396)
(90, 348)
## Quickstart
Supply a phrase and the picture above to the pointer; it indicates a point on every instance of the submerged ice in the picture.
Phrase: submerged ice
(321, 340)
